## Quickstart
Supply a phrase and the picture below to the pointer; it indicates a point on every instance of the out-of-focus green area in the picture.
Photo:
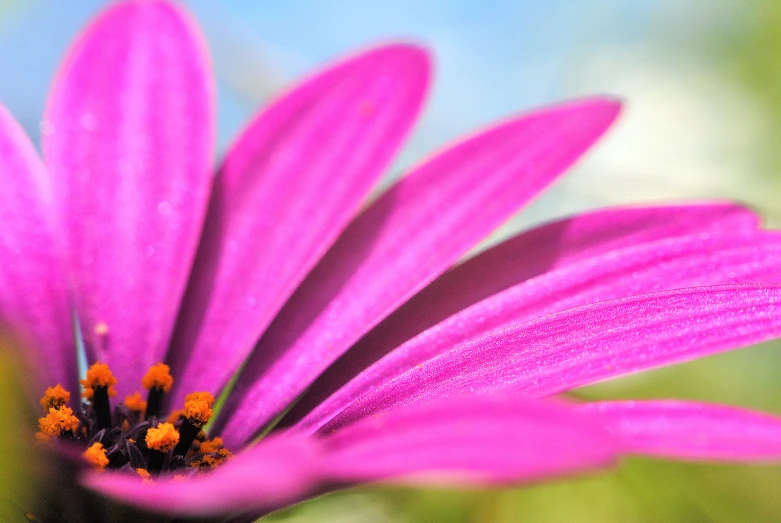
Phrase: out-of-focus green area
(751, 60)
(17, 449)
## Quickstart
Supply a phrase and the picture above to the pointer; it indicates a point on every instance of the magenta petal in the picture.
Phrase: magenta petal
(287, 189)
(588, 344)
(689, 430)
(33, 298)
(413, 233)
(469, 440)
(650, 267)
(552, 249)
(128, 142)
(274, 473)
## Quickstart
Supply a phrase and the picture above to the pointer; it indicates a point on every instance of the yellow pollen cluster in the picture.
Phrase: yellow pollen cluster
(200, 396)
(197, 408)
(158, 377)
(135, 403)
(98, 376)
(96, 455)
(56, 422)
(212, 445)
(55, 397)
(162, 438)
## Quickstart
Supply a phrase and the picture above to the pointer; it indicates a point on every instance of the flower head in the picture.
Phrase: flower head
(268, 284)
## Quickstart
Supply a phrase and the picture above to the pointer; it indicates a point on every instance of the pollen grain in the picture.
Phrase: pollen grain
(162, 438)
(96, 455)
(158, 377)
(55, 397)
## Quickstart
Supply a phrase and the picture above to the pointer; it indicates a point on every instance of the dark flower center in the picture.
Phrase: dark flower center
(133, 437)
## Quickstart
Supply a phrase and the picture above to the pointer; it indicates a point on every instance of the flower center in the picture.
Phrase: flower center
(133, 437)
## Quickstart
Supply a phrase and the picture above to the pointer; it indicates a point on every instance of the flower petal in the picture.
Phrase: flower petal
(469, 440)
(549, 249)
(274, 473)
(588, 344)
(410, 235)
(33, 300)
(128, 139)
(650, 267)
(690, 430)
(287, 188)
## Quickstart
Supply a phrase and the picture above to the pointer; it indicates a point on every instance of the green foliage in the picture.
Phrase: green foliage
(18, 454)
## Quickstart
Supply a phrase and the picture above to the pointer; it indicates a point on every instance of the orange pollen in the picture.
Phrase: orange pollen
(175, 416)
(135, 403)
(96, 455)
(162, 438)
(202, 396)
(205, 463)
(58, 421)
(144, 474)
(158, 377)
(55, 397)
(197, 411)
(99, 375)
(212, 445)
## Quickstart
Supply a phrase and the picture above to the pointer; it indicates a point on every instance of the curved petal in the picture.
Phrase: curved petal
(588, 344)
(128, 143)
(410, 235)
(287, 188)
(33, 300)
(690, 430)
(469, 440)
(275, 473)
(651, 267)
(545, 249)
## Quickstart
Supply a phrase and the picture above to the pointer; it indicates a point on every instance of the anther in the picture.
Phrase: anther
(160, 440)
(158, 381)
(197, 412)
(135, 403)
(96, 455)
(145, 475)
(57, 422)
(98, 386)
(55, 397)
(212, 445)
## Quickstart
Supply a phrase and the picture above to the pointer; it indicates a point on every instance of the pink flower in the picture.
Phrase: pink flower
(408, 369)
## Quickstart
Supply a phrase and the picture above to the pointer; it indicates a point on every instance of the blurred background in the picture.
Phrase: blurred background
(701, 80)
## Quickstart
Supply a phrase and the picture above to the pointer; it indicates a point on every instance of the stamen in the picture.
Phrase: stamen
(160, 440)
(203, 396)
(55, 397)
(98, 386)
(122, 439)
(96, 455)
(158, 381)
(135, 403)
(212, 445)
(175, 416)
(197, 412)
(145, 474)
(56, 423)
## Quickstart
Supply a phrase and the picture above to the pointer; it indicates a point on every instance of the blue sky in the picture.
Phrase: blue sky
(493, 58)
